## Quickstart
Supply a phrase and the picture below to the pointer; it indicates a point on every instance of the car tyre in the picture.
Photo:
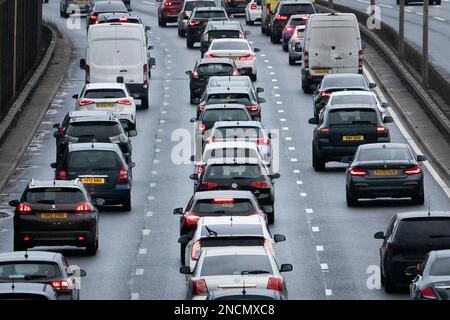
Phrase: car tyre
(273, 38)
(352, 201)
(285, 47)
(253, 77)
(189, 43)
(317, 162)
(183, 253)
(419, 199)
(127, 204)
(389, 285)
(291, 61)
(144, 102)
(270, 212)
(91, 248)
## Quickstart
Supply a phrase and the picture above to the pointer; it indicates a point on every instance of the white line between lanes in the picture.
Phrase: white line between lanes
(385, 5)
(439, 18)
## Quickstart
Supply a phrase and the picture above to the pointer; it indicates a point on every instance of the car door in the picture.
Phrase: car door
(130, 60)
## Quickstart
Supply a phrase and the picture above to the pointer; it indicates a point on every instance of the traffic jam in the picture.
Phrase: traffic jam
(227, 247)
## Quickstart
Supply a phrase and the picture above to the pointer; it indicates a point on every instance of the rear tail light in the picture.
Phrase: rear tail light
(288, 29)
(259, 184)
(306, 59)
(62, 175)
(123, 176)
(428, 293)
(168, 4)
(190, 219)
(223, 200)
(210, 55)
(85, 102)
(325, 94)
(60, 284)
(123, 19)
(194, 74)
(357, 172)
(201, 127)
(81, 238)
(257, 213)
(210, 140)
(200, 169)
(85, 207)
(208, 185)
(281, 17)
(305, 18)
(145, 69)
(275, 283)
(127, 102)
(252, 107)
(247, 57)
(23, 208)
(413, 170)
(382, 129)
(360, 59)
(253, 6)
(235, 72)
(93, 18)
(268, 245)
(87, 69)
(325, 130)
(201, 107)
(199, 287)
(194, 23)
(196, 250)
(26, 238)
(262, 141)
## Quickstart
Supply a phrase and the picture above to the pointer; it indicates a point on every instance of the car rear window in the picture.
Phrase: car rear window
(28, 271)
(93, 160)
(239, 133)
(54, 195)
(94, 129)
(423, 228)
(232, 241)
(235, 264)
(230, 153)
(113, 6)
(190, 5)
(343, 82)
(104, 93)
(230, 45)
(229, 83)
(247, 171)
(354, 99)
(211, 69)
(243, 206)
(225, 115)
(384, 154)
(218, 34)
(238, 98)
(209, 14)
(246, 230)
(353, 117)
(440, 267)
(297, 8)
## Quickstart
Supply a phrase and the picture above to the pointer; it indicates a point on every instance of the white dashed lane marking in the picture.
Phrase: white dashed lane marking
(324, 266)
(139, 272)
(142, 251)
(315, 229)
(309, 210)
(146, 232)
(319, 248)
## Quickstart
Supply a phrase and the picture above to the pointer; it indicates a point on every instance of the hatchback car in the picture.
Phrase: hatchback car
(68, 7)
(253, 12)
(408, 239)
(199, 19)
(295, 45)
(186, 10)
(220, 30)
(357, 98)
(168, 11)
(290, 28)
(55, 213)
(103, 7)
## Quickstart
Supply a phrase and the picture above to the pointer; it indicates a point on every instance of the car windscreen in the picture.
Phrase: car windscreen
(94, 129)
(54, 195)
(242, 241)
(440, 267)
(225, 115)
(232, 171)
(353, 117)
(230, 152)
(343, 82)
(100, 160)
(209, 14)
(355, 99)
(238, 133)
(243, 206)
(423, 228)
(218, 34)
(235, 264)
(297, 8)
(104, 93)
(238, 98)
(190, 5)
(384, 154)
(230, 45)
(211, 69)
(28, 271)
(110, 6)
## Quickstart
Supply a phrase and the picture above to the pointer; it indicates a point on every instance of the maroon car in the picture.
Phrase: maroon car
(168, 11)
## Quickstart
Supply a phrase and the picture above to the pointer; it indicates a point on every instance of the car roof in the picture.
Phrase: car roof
(442, 253)
(423, 214)
(353, 93)
(343, 75)
(350, 106)
(300, 16)
(229, 89)
(55, 183)
(230, 220)
(233, 250)
(230, 40)
(389, 145)
(231, 144)
(104, 85)
(214, 60)
(32, 256)
(282, 2)
(221, 106)
(230, 79)
(233, 160)
(93, 146)
(237, 124)
(237, 194)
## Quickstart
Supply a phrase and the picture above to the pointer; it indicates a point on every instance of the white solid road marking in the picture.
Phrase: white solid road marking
(146, 232)
(139, 272)
(142, 251)
(411, 142)
(439, 18)
(135, 296)
(315, 229)
(309, 210)
(385, 5)
(328, 292)
(319, 248)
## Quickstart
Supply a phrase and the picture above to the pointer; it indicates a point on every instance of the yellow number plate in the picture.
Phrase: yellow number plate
(106, 105)
(93, 180)
(321, 71)
(352, 138)
(389, 172)
(54, 215)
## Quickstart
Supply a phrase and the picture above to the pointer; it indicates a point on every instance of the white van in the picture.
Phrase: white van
(332, 44)
(117, 52)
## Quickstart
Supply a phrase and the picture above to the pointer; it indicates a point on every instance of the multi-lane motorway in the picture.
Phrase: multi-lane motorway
(330, 245)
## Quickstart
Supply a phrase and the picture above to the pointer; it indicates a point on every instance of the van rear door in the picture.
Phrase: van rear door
(130, 55)
(102, 58)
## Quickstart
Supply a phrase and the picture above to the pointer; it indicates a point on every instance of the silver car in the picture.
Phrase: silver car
(186, 10)
(295, 45)
(233, 268)
(67, 7)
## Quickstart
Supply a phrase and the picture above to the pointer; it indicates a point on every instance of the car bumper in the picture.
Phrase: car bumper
(195, 34)
(395, 188)
(246, 67)
(77, 8)
(170, 17)
(137, 90)
(277, 29)
(395, 270)
(57, 238)
(116, 196)
(254, 15)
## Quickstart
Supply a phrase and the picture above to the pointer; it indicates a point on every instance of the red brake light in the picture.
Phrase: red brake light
(235, 72)
(168, 4)
(263, 141)
(201, 107)
(305, 18)
(428, 293)
(194, 23)
(85, 207)
(194, 74)
(358, 172)
(123, 19)
(325, 130)
(210, 55)
(223, 200)
(281, 17)
(200, 169)
(413, 170)
(127, 102)
(252, 107)
(208, 185)
(23, 208)
(62, 175)
(259, 184)
(199, 287)
(85, 102)
(60, 284)
(247, 57)
(253, 6)
(275, 283)
(196, 250)
(145, 69)
(201, 127)
(93, 17)
(288, 29)
(381, 129)
(191, 219)
(123, 176)
(325, 94)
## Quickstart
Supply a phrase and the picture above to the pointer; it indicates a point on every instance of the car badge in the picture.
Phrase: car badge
(53, 206)
(234, 185)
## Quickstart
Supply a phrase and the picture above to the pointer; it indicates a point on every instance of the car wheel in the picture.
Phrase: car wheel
(144, 102)
(317, 162)
(19, 245)
(419, 199)
(250, 22)
(263, 30)
(352, 201)
(389, 285)
(91, 248)
(180, 34)
(291, 61)
(127, 204)
(273, 38)
(246, 21)
(189, 43)
(285, 47)
(183, 253)
(270, 212)
(253, 77)
(191, 99)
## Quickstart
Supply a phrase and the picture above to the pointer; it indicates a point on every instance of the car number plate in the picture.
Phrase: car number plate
(106, 105)
(321, 71)
(93, 180)
(388, 172)
(352, 138)
(54, 215)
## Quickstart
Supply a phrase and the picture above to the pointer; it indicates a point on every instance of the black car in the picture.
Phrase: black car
(432, 277)
(206, 68)
(56, 213)
(381, 170)
(221, 29)
(338, 82)
(240, 174)
(199, 19)
(245, 294)
(235, 6)
(211, 203)
(342, 129)
(102, 168)
(102, 7)
(283, 11)
(408, 239)
(88, 126)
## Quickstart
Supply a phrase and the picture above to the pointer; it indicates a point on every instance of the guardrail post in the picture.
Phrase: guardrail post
(401, 30)
(425, 45)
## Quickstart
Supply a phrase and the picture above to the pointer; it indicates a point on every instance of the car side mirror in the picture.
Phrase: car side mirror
(372, 85)
(99, 202)
(75, 96)
(313, 121)
(130, 10)
(193, 120)
(196, 100)
(275, 176)
(194, 176)
(379, 235)
(256, 49)
(132, 133)
(132, 165)
(192, 158)
(279, 238)
(189, 73)
(411, 271)
(147, 28)
(14, 203)
(247, 33)
(286, 267)
(385, 104)
(261, 100)
(185, 270)
(56, 126)
(183, 239)
(347, 159)
(178, 211)
(151, 47)
(259, 90)
(83, 64)
(53, 165)
(388, 119)
(421, 158)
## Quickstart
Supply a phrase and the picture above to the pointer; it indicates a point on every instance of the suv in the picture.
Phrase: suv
(410, 236)
(341, 129)
(199, 19)
(168, 11)
(67, 7)
(219, 30)
(186, 10)
(103, 7)
(55, 213)
(101, 168)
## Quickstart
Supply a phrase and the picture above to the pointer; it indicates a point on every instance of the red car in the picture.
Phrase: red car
(168, 11)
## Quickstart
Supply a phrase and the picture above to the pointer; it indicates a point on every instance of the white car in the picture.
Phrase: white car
(223, 268)
(237, 49)
(225, 231)
(108, 97)
(253, 12)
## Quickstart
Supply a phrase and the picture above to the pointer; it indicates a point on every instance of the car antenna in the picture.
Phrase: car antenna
(243, 282)
(26, 254)
(429, 205)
